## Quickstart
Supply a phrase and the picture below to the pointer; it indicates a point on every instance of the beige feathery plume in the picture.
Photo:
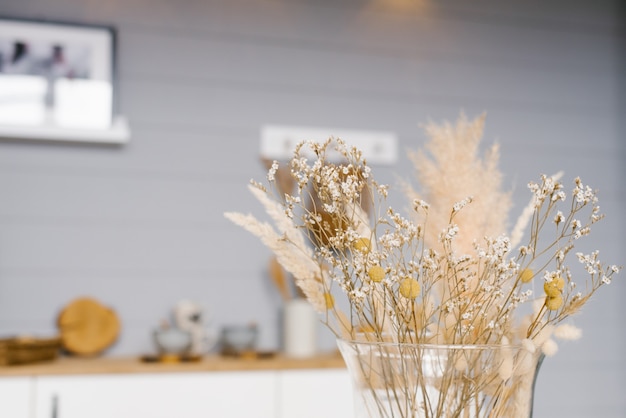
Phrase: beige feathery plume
(454, 171)
(283, 223)
(294, 259)
(289, 247)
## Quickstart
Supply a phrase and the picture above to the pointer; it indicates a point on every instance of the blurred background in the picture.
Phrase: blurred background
(140, 226)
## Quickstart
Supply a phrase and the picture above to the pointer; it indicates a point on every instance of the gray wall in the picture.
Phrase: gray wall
(140, 226)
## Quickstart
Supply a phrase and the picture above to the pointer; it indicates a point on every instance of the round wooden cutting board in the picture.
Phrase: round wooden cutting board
(87, 327)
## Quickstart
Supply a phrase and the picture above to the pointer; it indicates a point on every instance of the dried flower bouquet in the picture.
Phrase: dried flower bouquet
(447, 273)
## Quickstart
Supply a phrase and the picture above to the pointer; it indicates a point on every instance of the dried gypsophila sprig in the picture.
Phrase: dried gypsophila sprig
(454, 169)
(399, 289)
(561, 297)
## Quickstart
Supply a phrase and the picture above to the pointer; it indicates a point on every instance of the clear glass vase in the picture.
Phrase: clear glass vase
(441, 381)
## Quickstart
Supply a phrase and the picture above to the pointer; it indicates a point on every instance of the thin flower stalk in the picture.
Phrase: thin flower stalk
(446, 274)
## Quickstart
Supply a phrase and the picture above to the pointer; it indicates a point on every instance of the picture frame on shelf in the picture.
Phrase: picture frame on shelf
(58, 81)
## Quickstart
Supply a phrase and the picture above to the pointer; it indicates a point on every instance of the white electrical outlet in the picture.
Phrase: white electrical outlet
(378, 147)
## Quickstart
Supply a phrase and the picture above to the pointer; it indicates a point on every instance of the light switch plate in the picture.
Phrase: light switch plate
(278, 142)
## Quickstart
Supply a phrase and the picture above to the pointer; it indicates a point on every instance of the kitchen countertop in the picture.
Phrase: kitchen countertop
(209, 363)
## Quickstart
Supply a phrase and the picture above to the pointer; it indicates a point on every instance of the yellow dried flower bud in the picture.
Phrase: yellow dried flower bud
(552, 289)
(553, 303)
(330, 300)
(409, 288)
(526, 275)
(362, 244)
(559, 282)
(376, 273)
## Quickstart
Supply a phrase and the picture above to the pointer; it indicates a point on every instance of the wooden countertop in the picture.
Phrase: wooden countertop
(209, 363)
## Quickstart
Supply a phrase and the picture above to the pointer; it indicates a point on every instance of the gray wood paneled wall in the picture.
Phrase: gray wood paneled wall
(140, 226)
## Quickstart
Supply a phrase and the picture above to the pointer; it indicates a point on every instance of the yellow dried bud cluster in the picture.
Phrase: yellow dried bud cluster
(409, 288)
(362, 244)
(554, 302)
(526, 275)
(554, 287)
(376, 273)
(553, 290)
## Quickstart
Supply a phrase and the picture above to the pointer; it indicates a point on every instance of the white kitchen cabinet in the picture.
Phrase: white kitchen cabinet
(214, 388)
(315, 393)
(15, 397)
(166, 395)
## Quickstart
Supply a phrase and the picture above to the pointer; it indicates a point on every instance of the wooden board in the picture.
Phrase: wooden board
(87, 327)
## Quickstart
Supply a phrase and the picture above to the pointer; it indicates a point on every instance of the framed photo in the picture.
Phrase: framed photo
(56, 74)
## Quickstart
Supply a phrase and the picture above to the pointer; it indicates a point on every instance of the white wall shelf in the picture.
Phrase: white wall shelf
(118, 133)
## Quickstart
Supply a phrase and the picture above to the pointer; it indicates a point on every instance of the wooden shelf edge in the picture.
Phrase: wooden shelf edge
(132, 365)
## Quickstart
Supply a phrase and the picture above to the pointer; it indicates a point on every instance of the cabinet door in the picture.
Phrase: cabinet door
(315, 393)
(15, 397)
(189, 395)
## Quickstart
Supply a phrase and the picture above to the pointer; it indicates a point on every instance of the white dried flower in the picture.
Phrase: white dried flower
(450, 232)
(567, 332)
(447, 273)
(420, 204)
(271, 174)
(460, 205)
(559, 196)
(528, 345)
(550, 347)
(558, 218)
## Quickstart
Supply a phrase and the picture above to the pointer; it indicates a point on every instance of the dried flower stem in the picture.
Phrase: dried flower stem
(448, 274)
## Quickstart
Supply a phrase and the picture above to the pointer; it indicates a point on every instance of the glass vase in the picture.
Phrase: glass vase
(441, 381)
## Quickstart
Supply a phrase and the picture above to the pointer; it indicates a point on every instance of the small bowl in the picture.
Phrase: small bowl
(172, 341)
(239, 339)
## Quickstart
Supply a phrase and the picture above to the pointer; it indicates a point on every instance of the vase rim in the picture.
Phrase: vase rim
(433, 345)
